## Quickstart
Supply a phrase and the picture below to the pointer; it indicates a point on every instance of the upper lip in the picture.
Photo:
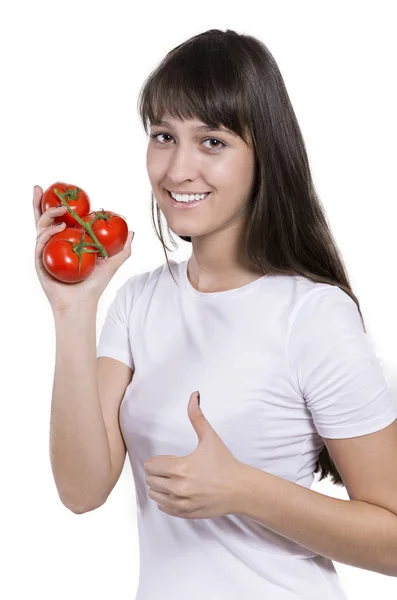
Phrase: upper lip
(175, 192)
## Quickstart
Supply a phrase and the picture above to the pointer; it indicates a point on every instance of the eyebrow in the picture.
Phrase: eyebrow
(201, 128)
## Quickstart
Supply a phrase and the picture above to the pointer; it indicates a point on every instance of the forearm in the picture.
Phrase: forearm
(348, 531)
(79, 445)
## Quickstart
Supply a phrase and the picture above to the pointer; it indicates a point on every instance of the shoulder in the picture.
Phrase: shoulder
(144, 283)
(322, 306)
(139, 281)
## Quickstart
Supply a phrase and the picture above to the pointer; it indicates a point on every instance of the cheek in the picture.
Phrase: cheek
(156, 173)
(233, 176)
(233, 171)
(242, 182)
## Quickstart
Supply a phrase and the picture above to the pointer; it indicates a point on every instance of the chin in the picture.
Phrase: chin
(184, 233)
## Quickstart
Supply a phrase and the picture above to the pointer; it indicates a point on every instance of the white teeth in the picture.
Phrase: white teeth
(188, 198)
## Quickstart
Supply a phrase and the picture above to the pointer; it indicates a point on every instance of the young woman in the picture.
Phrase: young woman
(262, 320)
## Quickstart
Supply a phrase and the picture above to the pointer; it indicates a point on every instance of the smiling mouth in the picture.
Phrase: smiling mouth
(192, 194)
(189, 202)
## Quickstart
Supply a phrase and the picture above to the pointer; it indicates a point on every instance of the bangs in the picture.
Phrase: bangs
(197, 80)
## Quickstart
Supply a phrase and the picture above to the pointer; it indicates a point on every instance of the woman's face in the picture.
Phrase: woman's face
(181, 159)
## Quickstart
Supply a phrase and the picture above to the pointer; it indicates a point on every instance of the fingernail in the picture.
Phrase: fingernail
(198, 397)
(61, 223)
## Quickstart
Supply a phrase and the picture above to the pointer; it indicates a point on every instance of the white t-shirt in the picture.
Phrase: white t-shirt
(278, 362)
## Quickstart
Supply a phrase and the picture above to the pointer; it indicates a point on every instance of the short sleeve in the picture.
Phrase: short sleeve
(114, 340)
(333, 363)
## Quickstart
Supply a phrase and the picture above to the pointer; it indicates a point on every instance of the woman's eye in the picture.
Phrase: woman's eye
(217, 148)
(156, 135)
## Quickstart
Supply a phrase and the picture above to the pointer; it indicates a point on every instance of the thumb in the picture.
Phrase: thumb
(126, 252)
(130, 237)
(128, 243)
(118, 259)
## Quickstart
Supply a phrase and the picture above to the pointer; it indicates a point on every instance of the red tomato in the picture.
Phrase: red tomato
(110, 229)
(62, 262)
(76, 198)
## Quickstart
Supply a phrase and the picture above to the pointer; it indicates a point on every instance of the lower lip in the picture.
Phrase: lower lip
(184, 205)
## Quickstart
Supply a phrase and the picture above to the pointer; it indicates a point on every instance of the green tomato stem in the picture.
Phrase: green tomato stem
(87, 226)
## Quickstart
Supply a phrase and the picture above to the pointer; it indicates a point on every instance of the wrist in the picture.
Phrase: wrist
(74, 311)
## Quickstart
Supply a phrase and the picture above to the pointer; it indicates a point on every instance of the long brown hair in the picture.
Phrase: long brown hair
(230, 79)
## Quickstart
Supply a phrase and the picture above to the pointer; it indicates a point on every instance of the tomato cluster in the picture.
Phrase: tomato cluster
(70, 255)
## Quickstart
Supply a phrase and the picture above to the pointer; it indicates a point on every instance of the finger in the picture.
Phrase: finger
(128, 242)
(37, 195)
(43, 238)
(126, 251)
(48, 217)
(120, 256)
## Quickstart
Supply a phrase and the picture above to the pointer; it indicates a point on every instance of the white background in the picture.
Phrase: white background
(70, 76)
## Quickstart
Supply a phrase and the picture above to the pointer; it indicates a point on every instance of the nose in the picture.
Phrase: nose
(184, 165)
